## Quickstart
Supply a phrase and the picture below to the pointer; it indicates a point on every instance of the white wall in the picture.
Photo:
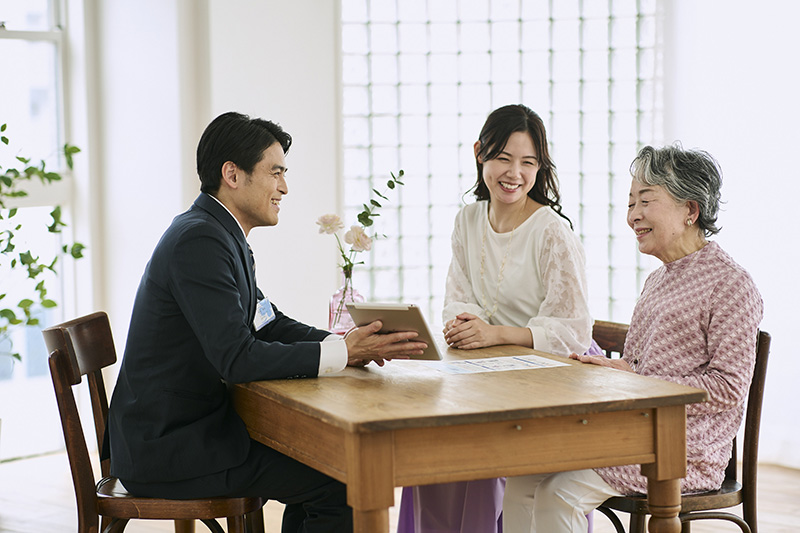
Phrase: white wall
(732, 88)
(137, 143)
(277, 60)
(169, 66)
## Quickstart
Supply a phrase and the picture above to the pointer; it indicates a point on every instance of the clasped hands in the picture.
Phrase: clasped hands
(467, 332)
(365, 344)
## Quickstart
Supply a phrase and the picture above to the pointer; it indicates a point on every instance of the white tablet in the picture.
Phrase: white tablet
(397, 317)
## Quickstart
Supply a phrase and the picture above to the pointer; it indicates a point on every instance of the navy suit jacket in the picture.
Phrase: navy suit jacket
(192, 334)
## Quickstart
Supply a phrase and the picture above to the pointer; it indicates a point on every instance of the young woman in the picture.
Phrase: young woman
(517, 276)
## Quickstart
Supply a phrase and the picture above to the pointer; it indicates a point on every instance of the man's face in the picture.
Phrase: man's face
(258, 199)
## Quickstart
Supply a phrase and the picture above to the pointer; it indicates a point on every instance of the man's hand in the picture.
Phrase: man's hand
(365, 344)
(602, 360)
(467, 332)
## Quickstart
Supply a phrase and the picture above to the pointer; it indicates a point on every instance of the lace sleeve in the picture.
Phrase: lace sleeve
(563, 324)
(458, 296)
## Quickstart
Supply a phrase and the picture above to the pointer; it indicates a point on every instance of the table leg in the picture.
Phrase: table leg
(370, 480)
(664, 501)
(371, 521)
(663, 476)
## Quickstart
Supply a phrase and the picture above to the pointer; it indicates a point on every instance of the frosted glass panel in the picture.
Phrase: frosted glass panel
(419, 78)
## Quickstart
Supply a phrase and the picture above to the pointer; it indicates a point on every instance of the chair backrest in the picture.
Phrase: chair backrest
(610, 336)
(752, 428)
(81, 347)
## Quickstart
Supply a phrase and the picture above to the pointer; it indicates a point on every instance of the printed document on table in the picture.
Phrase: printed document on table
(495, 364)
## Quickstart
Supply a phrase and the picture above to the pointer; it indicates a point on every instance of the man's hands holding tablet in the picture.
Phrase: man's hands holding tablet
(365, 344)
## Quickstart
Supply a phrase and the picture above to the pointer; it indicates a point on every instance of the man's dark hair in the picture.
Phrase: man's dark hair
(237, 138)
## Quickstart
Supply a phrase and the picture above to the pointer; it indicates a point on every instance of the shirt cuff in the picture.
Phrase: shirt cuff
(539, 338)
(332, 355)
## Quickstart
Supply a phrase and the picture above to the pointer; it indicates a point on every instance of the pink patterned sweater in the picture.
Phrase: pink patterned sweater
(696, 323)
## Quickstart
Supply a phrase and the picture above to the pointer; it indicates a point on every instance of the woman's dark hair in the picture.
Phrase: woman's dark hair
(237, 138)
(497, 129)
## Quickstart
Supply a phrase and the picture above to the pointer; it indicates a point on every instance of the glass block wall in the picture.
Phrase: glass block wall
(419, 78)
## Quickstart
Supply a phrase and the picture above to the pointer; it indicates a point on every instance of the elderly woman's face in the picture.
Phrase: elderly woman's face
(660, 222)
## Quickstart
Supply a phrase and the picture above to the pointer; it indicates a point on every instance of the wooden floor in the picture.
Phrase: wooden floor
(36, 497)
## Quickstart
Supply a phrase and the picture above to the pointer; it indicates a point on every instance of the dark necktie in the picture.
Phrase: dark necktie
(252, 260)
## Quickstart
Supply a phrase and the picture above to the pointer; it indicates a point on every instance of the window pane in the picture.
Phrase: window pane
(17, 286)
(28, 15)
(32, 119)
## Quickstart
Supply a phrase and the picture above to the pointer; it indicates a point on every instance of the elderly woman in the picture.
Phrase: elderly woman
(695, 323)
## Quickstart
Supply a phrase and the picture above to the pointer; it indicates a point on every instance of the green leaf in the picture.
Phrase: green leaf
(4, 139)
(69, 151)
(9, 315)
(77, 250)
(364, 219)
(32, 322)
(376, 204)
(379, 194)
(26, 258)
(48, 303)
(25, 303)
(390, 184)
(3, 127)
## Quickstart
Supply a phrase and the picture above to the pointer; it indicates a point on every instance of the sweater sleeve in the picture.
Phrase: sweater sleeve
(736, 310)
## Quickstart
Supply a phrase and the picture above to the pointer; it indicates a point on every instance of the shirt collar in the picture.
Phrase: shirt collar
(231, 214)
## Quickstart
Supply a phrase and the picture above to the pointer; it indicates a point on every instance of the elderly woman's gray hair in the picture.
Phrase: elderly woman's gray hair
(688, 175)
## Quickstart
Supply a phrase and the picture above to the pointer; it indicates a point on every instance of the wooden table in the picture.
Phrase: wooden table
(406, 424)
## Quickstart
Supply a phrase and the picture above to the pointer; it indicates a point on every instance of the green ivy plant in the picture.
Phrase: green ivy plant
(12, 183)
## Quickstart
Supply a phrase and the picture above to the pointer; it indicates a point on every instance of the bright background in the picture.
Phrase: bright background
(146, 76)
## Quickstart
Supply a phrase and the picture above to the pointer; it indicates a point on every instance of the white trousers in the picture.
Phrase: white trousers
(553, 503)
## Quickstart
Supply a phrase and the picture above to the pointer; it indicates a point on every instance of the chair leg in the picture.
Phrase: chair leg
(254, 522)
(638, 523)
(116, 525)
(611, 515)
(236, 524)
(213, 526)
(184, 526)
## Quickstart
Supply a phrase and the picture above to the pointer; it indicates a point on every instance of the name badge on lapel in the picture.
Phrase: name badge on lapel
(264, 314)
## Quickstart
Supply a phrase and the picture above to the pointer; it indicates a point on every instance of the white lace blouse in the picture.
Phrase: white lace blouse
(543, 284)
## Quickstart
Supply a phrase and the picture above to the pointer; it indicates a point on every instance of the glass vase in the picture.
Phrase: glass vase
(339, 320)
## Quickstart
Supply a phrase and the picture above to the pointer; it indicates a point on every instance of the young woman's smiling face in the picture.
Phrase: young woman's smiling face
(512, 174)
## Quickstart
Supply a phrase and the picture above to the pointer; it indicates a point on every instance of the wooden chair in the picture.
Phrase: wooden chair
(705, 506)
(84, 346)
(610, 336)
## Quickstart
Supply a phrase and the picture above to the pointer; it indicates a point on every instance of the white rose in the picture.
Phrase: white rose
(330, 224)
(358, 239)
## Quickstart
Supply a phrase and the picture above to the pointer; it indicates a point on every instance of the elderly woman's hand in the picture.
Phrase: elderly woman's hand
(602, 360)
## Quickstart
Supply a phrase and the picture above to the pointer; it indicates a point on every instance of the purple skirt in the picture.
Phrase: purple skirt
(461, 507)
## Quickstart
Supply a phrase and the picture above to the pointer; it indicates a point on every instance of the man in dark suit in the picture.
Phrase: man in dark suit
(200, 323)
